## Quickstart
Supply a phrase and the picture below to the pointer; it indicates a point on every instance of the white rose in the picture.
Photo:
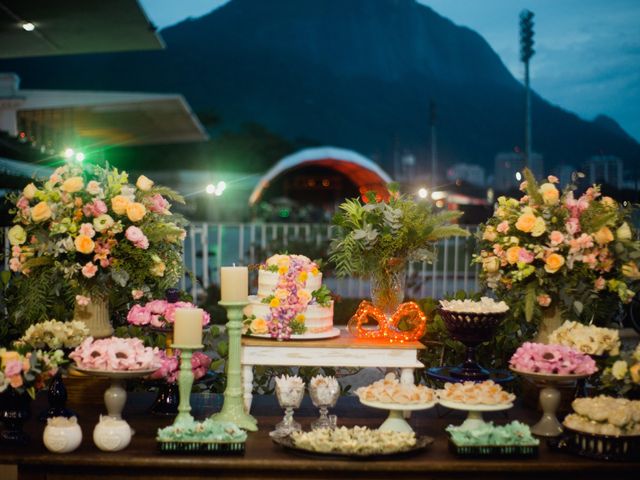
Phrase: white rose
(29, 191)
(619, 369)
(624, 232)
(144, 183)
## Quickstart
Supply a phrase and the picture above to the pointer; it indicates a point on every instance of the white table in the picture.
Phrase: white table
(343, 351)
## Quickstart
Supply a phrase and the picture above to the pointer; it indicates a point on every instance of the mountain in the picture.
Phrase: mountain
(358, 74)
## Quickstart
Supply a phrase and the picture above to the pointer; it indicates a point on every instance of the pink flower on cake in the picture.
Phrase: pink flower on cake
(87, 229)
(89, 270)
(304, 296)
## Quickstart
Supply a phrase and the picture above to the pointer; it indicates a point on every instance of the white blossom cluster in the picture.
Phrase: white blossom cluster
(587, 339)
(53, 334)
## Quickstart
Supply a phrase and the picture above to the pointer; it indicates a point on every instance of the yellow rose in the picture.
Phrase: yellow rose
(489, 234)
(84, 244)
(491, 264)
(258, 326)
(609, 202)
(553, 263)
(304, 296)
(29, 191)
(119, 204)
(315, 271)
(526, 222)
(17, 235)
(539, 227)
(136, 211)
(72, 185)
(40, 212)
(603, 236)
(158, 269)
(283, 270)
(619, 369)
(513, 253)
(302, 278)
(274, 303)
(144, 183)
(550, 194)
(624, 232)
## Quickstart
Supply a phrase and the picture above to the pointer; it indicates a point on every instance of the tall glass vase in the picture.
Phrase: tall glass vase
(96, 317)
(388, 284)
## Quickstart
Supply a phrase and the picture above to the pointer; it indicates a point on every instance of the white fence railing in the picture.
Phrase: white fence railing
(208, 246)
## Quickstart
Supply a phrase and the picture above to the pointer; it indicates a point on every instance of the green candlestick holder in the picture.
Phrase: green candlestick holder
(233, 406)
(185, 383)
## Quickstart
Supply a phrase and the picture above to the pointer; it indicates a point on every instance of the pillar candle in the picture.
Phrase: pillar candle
(234, 284)
(187, 328)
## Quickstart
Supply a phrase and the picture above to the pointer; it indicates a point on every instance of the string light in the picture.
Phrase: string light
(389, 329)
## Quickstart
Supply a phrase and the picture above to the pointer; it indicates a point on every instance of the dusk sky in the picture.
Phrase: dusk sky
(587, 51)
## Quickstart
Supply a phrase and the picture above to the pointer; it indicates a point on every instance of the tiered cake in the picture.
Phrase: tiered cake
(291, 299)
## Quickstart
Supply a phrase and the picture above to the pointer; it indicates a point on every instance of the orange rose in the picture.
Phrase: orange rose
(635, 373)
(603, 236)
(84, 244)
(512, 254)
(119, 204)
(72, 185)
(136, 211)
(41, 212)
(526, 222)
(258, 326)
(553, 263)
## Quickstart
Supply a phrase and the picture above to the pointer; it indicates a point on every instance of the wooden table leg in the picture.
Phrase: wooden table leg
(247, 384)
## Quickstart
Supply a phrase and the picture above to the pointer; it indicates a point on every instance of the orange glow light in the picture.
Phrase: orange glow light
(388, 329)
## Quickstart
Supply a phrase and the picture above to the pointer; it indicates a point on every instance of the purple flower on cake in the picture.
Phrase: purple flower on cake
(551, 359)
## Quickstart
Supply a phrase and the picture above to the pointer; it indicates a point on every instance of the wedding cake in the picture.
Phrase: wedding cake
(291, 299)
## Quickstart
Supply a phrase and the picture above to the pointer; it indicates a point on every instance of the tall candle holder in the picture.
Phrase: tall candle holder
(185, 383)
(233, 406)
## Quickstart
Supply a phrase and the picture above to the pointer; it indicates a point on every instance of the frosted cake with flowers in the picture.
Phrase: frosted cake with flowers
(291, 299)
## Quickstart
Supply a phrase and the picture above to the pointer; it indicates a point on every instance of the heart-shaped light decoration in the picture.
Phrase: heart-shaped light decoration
(388, 329)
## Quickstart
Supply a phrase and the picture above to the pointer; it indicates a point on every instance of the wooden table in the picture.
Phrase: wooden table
(264, 460)
(343, 351)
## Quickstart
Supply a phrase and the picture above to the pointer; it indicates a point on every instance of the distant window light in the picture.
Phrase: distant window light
(28, 27)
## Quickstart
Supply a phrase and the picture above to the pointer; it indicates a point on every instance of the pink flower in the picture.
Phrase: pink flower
(553, 179)
(523, 186)
(544, 300)
(503, 227)
(89, 270)
(15, 265)
(82, 300)
(599, 284)
(139, 315)
(22, 203)
(137, 237)
(573, 226)
(556, 237)
(156, 321)
(137, 294)
(143, 244)
(13, 367)
(95, 209)
(157, 307)
(525, 256)
(158, 204)
(87, 229)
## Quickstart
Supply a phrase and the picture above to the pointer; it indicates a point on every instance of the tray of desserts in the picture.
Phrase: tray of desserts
(389, 393)
(487, 440)
(360, 443)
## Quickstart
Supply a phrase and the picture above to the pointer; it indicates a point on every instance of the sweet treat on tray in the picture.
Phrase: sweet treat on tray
(512, 434)
(324, 388)
(551, 359)
(291, 299)
(207, 431)
(290, 389)
(115, 354)
(356, 440)
(605, 415)
(587, 339)
(484, 305)
(472, 393)
(390, 390)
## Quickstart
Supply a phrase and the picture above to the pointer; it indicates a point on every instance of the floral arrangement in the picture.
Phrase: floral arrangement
(115, 354)
(552, 359)
(587, 339)
(373, 233)
(290, 299)
(53, 334)
(84, 232)
(28, 372)
(159, 313)
(622, 375)
(560, 252)
(170, 366)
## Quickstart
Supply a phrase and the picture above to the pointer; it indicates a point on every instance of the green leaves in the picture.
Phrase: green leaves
(532, 186)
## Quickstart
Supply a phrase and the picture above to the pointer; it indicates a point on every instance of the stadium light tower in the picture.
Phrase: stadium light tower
(526, 52)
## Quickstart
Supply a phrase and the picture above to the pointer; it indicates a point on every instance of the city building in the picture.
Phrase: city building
(509, 166)
(466, 172)
(604, 169)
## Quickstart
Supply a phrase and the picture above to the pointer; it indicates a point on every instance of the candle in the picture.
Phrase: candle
(234, 283)
(187, 328)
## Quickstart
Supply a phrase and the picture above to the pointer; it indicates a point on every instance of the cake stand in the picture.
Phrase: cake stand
(471, 329)
(395, 422)
(474, 416)
(549, 426)
(115, 397)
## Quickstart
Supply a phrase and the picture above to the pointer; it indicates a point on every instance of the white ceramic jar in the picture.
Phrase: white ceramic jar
(111, 434)
(62, 435)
